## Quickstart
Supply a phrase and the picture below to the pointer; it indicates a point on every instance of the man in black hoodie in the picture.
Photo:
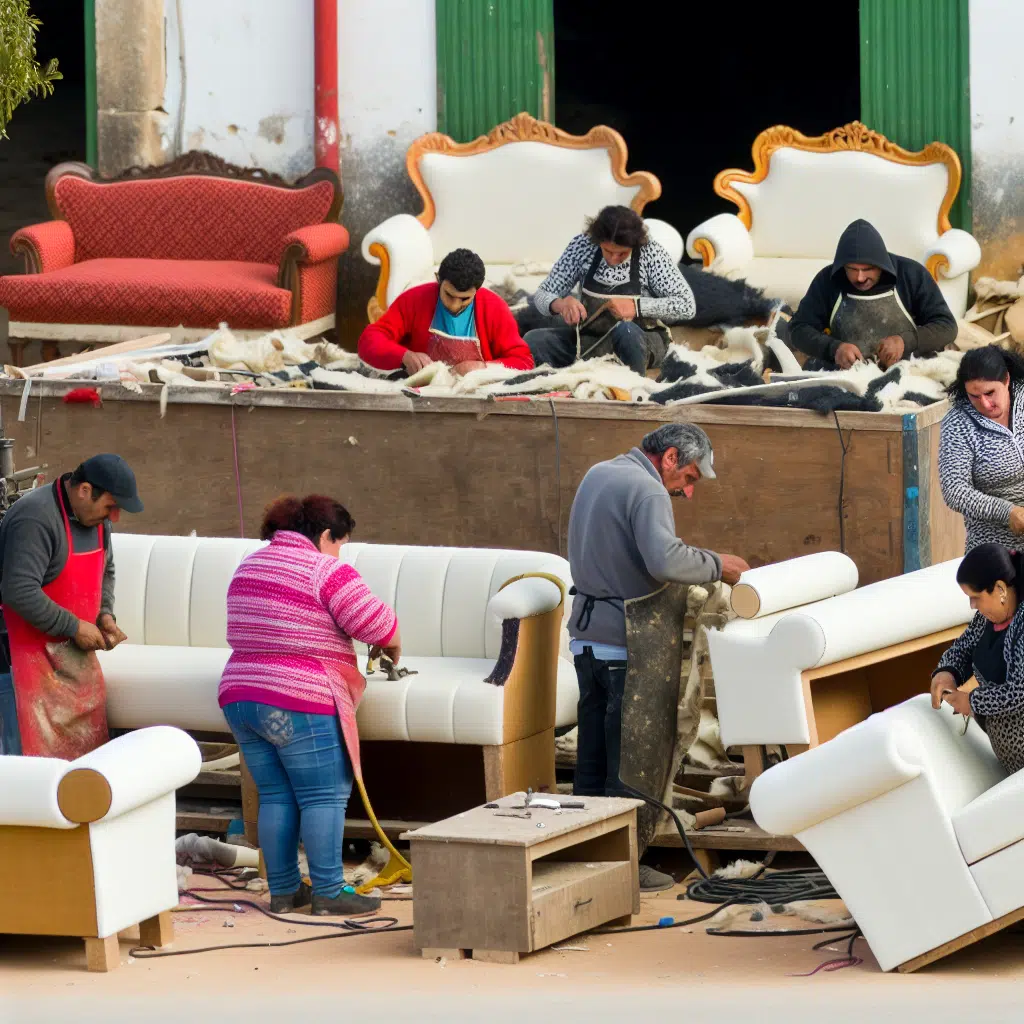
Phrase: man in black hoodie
(871, 303)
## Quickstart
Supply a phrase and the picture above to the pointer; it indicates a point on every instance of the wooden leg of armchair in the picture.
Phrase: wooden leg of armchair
(51, 351)
(523, 764)
(157, 931)
(102, 954)
(17, 347)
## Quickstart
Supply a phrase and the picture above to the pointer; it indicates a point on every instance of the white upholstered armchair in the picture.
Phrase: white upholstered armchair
(515, 196)
(804, 191)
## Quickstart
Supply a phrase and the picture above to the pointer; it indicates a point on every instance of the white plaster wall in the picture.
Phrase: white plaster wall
(244, 90)
(997, 134)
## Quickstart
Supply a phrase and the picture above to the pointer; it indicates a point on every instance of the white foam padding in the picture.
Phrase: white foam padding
(794, 582)
(156, 685)
(28, 791)
(885, 792)
(993, 820)
(143, 765)
(524, 598)
(757, 663)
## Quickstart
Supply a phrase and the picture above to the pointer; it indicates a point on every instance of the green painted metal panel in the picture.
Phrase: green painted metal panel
(915, 79)
(91, 113)
(495, 58)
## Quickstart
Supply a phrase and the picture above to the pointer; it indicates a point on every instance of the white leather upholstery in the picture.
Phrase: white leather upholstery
(874, 807)
(518, 203)
(1000, 879)
(806, 201)
(132, 845)
(757, 663)
(781, 585)
(993, 820)
(172, 591)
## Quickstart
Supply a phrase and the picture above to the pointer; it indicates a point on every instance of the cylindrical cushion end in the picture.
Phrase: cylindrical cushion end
(793, 583)
(84, 795)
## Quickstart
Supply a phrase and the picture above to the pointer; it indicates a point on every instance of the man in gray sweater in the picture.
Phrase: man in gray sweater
(34, 553)
(623, 544)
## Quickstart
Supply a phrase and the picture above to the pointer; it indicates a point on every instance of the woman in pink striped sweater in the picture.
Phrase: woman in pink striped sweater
(290, 690)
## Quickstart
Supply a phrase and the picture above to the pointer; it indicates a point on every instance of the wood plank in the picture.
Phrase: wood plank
(945, 636)
(962, 941)
(119, 348)
(446, 954)
(496, 956)
(713, 838)
(579, 895)
(481, 824)
(470, 896)
(949, 535)
(102, 954)
(157, 931)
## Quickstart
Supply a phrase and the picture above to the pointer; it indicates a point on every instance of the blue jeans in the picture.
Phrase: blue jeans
(628, 341)
(10, 734)
(304, 777)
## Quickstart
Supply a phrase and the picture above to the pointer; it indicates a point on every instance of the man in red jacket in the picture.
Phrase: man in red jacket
(456, 321)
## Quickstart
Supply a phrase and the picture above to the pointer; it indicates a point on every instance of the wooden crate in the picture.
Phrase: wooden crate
(499, 886)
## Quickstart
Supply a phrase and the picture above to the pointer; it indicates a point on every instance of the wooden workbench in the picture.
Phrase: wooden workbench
(473, 472)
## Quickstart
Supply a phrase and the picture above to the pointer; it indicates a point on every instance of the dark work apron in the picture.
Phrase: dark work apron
(864, 320)
(593, 339)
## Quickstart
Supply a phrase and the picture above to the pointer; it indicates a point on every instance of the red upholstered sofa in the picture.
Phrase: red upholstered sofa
(168, 249)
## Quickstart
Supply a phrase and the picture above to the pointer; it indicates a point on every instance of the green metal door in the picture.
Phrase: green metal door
(915, 79)
(495, 58)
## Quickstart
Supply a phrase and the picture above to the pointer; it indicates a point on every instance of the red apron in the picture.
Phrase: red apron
(61, 716)
(443, 348)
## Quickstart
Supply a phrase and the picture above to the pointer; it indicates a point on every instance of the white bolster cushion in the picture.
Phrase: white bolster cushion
(410, 251)
(28, 792)
(960, 248)
(789, 584)
(731, 241)
(867, 760)
(533, 595)
(142, 765)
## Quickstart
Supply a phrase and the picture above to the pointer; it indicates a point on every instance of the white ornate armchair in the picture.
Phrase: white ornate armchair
(804, 191)
(515, 196)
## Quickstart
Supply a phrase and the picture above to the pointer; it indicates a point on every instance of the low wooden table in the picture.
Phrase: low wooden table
(498, 886)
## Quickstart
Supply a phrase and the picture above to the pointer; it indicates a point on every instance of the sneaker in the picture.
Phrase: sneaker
(286, 903)
(348, 903)
(654, 881)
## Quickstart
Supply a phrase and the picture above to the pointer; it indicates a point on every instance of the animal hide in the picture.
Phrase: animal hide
(370, 868)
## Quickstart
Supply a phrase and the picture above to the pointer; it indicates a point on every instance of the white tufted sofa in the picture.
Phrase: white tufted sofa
(915, 824)
(806, 666)
(87, 846)
(804, 191)
(515, 197)
(170, 599)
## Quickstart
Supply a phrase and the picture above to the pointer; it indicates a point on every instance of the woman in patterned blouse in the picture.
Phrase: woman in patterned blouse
(981, 447)
(992, 650)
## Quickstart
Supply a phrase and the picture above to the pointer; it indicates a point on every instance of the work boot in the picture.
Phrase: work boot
(348, 903)
(288, 902)
(654, 881)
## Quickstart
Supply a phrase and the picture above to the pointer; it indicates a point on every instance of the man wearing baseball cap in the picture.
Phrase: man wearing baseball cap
(623, 545)
(57, 589)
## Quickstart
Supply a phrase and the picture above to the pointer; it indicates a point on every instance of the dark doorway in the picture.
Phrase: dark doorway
(689, 90)
(44, 131)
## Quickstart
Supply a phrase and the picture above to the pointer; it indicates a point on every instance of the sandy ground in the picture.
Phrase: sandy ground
(615, 977)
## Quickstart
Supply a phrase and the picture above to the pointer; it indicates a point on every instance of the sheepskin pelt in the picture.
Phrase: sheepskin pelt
(720, 300)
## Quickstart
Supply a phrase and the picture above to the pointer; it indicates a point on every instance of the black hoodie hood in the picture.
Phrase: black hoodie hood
(861, 243)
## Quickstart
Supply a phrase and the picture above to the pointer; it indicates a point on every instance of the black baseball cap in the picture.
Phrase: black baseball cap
(113, 474)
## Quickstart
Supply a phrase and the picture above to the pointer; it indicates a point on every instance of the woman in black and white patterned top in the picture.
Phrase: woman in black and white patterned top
(981, 447)
(992, 650)
(617, 267)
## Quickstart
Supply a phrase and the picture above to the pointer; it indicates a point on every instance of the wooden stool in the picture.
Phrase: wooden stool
(498, 883)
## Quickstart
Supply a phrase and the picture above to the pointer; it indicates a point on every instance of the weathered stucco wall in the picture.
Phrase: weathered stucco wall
(997, 135)
(387, 96)
(240, 81)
